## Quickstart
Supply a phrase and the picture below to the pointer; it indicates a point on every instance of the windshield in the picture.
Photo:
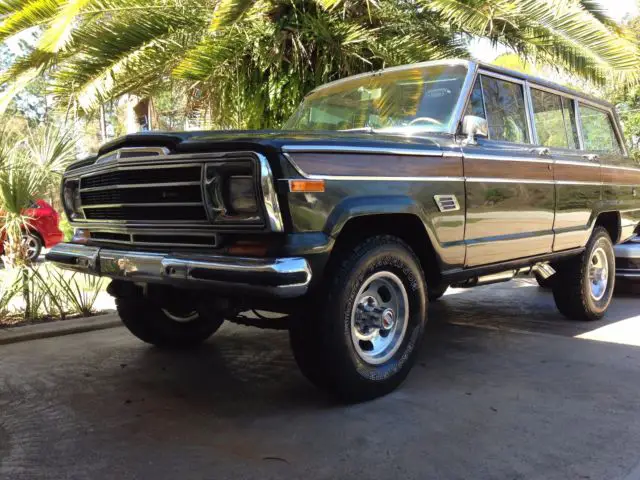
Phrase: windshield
(407, 101)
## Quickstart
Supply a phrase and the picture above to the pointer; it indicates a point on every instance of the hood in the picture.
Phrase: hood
(268, 141)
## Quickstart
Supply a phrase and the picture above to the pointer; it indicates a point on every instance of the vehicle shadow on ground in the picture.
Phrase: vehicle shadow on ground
(521, 305)
(247, 374)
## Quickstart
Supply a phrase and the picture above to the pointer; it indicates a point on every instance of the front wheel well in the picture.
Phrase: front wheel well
(409, 228)
(611, 222)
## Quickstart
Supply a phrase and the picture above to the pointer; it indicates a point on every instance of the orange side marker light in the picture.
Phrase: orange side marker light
(306, 186)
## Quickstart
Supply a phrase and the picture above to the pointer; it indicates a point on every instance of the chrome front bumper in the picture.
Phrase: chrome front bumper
(629, 253)
(277, 277)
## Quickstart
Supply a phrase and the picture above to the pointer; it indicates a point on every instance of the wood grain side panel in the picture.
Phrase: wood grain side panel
(508, 170)
(620, 177)
(372, 165)
(577, 173)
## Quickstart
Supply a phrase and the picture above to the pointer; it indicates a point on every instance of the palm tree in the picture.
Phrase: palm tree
(29, 169)
(246, 64)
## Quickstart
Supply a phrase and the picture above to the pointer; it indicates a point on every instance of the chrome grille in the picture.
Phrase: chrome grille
(158, 194)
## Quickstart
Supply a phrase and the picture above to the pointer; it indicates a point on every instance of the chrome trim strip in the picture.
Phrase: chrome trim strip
(270, 197)
(181, 270)
(616, 167)
(116, 168)
(139, 185)
(155, 232)
(363, 150)
(461, 103)
(121, 225)
(507, 180)
(578, 163)
(386, 179)
(628, 274)
(573, 182)
(506, 158)
(158, 204)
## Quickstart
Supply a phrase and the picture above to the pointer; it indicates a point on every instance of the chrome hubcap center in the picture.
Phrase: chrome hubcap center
(598, 273)
(379, 317)
(388, 319)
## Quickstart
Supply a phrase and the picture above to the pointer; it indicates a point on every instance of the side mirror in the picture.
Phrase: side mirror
(473, 126)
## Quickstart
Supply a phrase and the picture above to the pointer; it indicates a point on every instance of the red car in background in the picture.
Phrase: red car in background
(44, 231)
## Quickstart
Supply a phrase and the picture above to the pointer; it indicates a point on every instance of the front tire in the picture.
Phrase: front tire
(583, 286)
(171, 327)
(364, 338)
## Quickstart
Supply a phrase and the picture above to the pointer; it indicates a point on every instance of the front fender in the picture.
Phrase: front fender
(351, 208)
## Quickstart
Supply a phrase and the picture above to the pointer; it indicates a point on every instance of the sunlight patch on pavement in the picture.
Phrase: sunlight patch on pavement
(626, 332)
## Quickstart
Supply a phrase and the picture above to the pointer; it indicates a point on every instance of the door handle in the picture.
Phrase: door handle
(591, 157)
(541, 151)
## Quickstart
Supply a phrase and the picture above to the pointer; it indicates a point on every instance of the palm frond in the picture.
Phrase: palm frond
(228, 12)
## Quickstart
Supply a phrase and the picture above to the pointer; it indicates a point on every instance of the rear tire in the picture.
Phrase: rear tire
(583, 286)
(338, 349)
(173, 327)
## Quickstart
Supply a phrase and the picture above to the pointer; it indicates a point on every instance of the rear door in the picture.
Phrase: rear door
(509, 183)
(577, 173)
(620, 175)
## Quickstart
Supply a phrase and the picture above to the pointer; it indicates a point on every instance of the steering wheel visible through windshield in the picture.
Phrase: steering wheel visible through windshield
(406, 100)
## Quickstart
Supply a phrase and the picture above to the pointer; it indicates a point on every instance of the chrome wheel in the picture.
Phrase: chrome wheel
(181, 317)
(31, 246)
(379, 317)
(598, 273)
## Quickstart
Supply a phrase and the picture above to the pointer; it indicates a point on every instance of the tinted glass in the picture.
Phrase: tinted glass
(597, 130)
(407, 100)
(504, 103)
(568, 107)
(476, 102)
(554, 119)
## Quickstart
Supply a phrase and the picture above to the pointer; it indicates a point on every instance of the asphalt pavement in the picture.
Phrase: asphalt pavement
(505, 388)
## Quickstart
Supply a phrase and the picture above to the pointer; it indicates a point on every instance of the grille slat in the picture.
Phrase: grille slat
(169, 175)
(167, 194)
(156, 214)
(155, 239)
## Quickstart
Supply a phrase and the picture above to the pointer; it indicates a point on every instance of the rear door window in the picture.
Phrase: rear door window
(505, 110)
(597, 130)
(554, 118)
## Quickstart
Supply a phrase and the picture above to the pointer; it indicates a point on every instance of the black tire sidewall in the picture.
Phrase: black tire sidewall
(397, 259)
(600, 240)
(147, 321)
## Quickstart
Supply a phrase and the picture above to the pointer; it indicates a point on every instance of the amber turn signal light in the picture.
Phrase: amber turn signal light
(306, 186)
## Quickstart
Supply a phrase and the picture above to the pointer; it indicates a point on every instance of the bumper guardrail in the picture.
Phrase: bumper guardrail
(277, 277)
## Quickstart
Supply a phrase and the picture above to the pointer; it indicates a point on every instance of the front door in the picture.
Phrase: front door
(509, 182)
